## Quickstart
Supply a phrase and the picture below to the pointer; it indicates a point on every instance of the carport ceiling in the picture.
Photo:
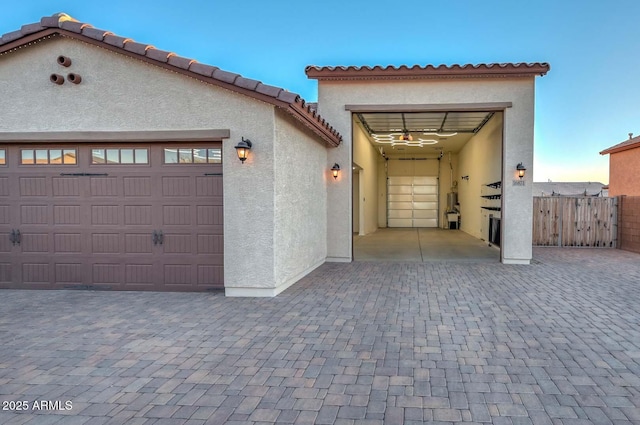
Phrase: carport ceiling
(430, 131)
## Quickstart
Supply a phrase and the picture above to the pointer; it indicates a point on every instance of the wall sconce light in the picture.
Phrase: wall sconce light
(243, 148)
(521, 169)
(335, 170)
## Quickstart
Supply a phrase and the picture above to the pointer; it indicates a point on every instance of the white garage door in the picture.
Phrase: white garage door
(412, 201)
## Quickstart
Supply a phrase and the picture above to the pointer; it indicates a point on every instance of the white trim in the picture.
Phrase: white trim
(338, 260)
(270, 292)
(117, 136)
(516, 261)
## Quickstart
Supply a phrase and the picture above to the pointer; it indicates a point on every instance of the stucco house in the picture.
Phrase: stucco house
(119, 168)
(624, 159)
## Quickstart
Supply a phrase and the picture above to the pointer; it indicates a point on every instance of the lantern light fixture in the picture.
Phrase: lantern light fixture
(243, 148)
(335, 170)
(521, 169)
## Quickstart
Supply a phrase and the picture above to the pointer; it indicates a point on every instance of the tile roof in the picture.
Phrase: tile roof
(631, 143)
(492, 70)
(65, 25)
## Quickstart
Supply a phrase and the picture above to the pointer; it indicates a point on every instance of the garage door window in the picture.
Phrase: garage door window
(112, 156)
(48, 156)
(3, 157)
(192, 155)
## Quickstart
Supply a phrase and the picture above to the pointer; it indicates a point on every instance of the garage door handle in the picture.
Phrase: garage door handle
(15, 237)
(157, 237)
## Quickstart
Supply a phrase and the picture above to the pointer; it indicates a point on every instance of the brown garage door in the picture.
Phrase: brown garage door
(140, 217)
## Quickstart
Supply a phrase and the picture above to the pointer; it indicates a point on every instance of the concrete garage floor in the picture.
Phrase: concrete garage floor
(423, 245)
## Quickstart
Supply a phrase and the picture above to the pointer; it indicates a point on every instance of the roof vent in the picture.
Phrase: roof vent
(630, 136)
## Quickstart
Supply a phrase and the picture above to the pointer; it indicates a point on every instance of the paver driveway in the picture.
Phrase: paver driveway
(557, 342)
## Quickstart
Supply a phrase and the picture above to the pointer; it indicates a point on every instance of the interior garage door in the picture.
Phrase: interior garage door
(140, 217)
(412, 201)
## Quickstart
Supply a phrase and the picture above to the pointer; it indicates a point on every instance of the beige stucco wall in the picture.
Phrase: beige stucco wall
(518, 134)
(365, 155)
(301, 178)
(481, 160)
(623, 167)
(120, 93)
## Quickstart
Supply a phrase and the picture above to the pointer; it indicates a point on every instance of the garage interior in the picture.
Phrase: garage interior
(427, 185)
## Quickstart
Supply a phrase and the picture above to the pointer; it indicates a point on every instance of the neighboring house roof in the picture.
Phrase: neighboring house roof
(631, 143)
(492, 70)
(568, 189)
(64, 25)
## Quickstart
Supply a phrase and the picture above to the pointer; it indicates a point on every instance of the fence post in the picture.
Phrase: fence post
(561, 213)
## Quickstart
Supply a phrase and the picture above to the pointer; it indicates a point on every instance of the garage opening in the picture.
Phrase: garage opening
(427, 185)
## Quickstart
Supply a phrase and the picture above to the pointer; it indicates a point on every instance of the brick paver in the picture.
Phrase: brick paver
(556, 342)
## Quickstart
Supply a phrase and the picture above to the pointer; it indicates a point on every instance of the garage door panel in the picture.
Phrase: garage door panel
(34, 214)
(425, 181)
(210, 275)
(178, 274)
(210, 244)
(6, 276)
(5, 214)
(400, 214)
(104, 186)
(210, 187)
(175, 243)
(69, 273)
(176, 215)
(105, 243)
(425, 198)
(67, 242)
(105, 214)
(210, 214)
(400, 205)
(137, 214)
(4, 186)
(139, 274)
(36, 273)
(425, 205)
(34, 242)
(66, 214)
(66, 186)
(105, 273)
(5, 243)
(400, 198)
(33, 186)
(424, 190)
(425, 214)
(400, 222)
(138, 243)
(137, 186)
(176, 186)
(400, 190)
(400, 181)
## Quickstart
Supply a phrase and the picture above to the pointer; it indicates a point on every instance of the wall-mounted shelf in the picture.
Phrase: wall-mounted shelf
(498, 196)
(491, 208)
(495, 185)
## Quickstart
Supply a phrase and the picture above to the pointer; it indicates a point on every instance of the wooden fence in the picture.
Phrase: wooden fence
(575, 221)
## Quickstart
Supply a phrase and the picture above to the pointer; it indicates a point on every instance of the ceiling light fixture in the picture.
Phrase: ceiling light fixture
(432, 133)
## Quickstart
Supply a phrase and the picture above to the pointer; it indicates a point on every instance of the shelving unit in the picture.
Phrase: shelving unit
(491, 205)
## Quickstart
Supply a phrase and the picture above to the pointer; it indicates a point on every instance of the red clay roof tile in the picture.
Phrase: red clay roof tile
(95, 33)
(202, 69)
(290, 102)
(158, 55)
(114, 40)
(135, 47)
(31, 28)
(427, 71)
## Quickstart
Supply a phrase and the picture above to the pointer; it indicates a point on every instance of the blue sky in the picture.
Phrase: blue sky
(588, 101)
